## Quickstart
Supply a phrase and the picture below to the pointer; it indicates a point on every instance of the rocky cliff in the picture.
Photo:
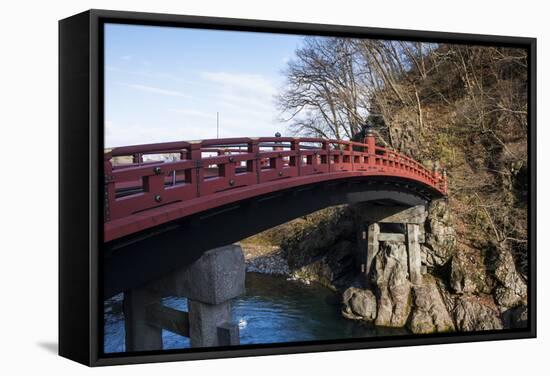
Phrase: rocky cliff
(462, 289)
(458, 106)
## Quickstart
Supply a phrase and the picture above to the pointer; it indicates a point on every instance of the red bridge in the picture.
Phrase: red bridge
(162, 213)
(142, 194)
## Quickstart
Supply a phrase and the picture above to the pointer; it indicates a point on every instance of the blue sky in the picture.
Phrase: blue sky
(166, 84)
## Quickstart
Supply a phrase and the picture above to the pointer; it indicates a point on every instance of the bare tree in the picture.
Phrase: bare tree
(334, 84)
(323, 96)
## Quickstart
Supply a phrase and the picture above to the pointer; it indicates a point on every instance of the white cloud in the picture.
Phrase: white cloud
(246, 103)
(250, 94)
(157, 90)
(251, 83)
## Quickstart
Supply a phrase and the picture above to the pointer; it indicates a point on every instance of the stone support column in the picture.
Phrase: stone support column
(141, 335)
(209, 285)
(413, 250)
(372, 245)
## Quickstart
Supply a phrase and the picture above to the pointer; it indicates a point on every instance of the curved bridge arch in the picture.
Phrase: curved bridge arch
(145, 244)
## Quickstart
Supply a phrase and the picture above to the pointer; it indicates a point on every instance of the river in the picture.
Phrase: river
(272, 310)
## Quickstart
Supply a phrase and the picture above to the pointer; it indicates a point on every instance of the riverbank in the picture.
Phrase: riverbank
(271, 260)
(264, 259)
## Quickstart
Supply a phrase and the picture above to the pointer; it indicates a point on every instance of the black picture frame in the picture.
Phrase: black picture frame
(81, 185)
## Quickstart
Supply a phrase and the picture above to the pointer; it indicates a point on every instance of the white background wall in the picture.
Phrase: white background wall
(28, 184)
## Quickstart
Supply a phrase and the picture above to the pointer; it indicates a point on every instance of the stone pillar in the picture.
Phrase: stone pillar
(413, 248)
(141, 335)
(360, 258)
(209, 285)
(204, 321)
(372, 245)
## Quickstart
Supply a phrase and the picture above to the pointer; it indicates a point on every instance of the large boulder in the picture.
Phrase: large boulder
(429, 314)
(440, 235)
(392, 283)
(512, 288)
(359, 304)
(475, 313)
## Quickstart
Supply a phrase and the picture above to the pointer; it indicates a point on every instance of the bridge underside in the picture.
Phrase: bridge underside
(140, 258)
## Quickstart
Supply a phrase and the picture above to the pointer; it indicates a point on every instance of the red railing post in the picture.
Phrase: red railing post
(195, 175)
(370, 140)
(154, 184)
(351, 157)
(296, 160)
(326, 158)
(109, 187)
(137, 158)
(276, 162)
(227, 170)
(253, 165)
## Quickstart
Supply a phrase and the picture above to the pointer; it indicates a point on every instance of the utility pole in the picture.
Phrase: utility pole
(217, 124)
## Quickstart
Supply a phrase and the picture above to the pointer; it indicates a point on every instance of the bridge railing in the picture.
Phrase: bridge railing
(142, 177)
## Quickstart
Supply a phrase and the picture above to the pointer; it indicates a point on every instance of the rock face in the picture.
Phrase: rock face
(440, 235)
(465, 289)
(359, 304)
(270, 264)
(334, 270)
(312, 238)
(468, 273)
(430, 313)
(512, 288)
(322, 248)
(392, 283)
(264, 259)
(475, 313)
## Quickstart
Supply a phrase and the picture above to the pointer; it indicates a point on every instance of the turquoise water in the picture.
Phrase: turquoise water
(273, 310)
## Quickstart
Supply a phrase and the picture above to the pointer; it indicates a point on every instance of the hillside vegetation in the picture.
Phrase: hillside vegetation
(460, 107)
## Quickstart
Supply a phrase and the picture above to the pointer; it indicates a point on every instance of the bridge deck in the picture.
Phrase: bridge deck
(202, 175)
